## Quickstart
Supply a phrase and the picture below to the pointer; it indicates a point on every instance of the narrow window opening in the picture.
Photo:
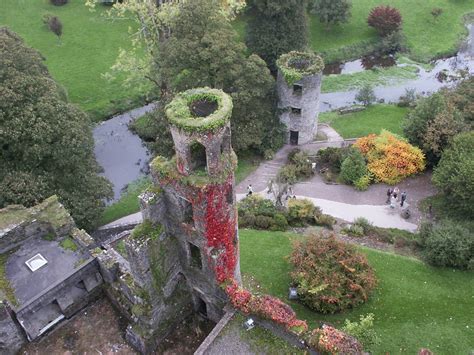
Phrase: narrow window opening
(296, 111)
(187, 211)
(229, 197)
(195, 256)
(198, 157)
(297, 89)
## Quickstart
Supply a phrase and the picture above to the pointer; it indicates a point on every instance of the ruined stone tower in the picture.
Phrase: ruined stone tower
(187, 246)
(299, 88)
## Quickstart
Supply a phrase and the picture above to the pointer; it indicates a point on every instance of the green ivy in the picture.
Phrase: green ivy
(293, 75)
(179, 114)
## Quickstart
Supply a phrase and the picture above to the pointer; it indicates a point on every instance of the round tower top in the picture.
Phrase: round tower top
(296, 65)
(200, 110)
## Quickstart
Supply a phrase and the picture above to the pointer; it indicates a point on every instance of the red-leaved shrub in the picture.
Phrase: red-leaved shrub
(385, 19)
(330, 275)
(329, 340)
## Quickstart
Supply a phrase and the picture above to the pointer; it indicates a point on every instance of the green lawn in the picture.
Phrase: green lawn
(128, 202)
(415, 305)
(89, 46)
(426, 38)
(372, 120)
(247, 163)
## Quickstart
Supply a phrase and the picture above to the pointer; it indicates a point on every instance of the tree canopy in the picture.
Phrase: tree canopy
(437, 119)
(276, 27)
(202, 49)
(46, 144)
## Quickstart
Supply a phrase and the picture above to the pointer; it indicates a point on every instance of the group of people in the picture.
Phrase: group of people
(393, 196)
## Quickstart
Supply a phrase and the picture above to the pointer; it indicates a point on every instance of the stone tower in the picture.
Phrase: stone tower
(299, 88)
(187, 247)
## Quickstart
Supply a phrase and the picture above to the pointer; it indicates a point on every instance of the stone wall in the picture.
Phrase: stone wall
(305, 123)
(18, 223)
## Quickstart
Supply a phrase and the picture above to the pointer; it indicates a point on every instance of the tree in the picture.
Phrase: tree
(438, 118)
(454, 174)
(203, 50)
(46, 145)
(332, 12)
(385, 19)
(276, 27)
(366, 95)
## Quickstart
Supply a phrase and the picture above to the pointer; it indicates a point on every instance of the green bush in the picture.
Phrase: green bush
(363, 330)
(354, 167)
(364, 224)
(288, 174)
(263, 222)
(332, 157)
(366, 95)
(448, 243)
(454, 174)
(330, 275)
(325, 220)
(279, 223)
(356, 230)
(363, 183)
(256, 205)
(302, 212)
(292, 153)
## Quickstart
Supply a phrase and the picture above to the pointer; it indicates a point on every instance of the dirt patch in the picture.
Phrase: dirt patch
(98, 329)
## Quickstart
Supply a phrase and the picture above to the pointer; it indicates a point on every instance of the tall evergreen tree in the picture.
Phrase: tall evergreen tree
(276, 27)
(46, 144)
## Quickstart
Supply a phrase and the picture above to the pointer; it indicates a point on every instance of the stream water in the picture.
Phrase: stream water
(445, 72)
(124, 157)
(122, 154)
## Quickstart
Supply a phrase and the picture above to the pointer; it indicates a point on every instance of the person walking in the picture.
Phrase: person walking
(393, 200)
(389, 195)
(403, 197)
(395, 193)
(270, 186)
(249, 190)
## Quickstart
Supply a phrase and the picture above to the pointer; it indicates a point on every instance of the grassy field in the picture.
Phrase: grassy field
(372, 120)
(128, 202)
(88, 47)
(415, 305)
(426, 38)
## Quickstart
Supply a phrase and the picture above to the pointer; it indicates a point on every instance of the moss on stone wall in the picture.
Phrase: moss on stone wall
(146, 230)
(294, 65)
(179, 113)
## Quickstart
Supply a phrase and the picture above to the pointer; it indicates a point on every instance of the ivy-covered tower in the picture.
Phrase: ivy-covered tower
(196, 202)
(299, 88)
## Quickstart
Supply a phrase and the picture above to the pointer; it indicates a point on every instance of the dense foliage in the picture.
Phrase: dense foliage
(390, 158)
(203, 50)
(297, 168)
(331, 276)
(448, 243)
(435, 120)
(454, 175)
(332, 11)
(302, 212)
(259, 213)
(276, 27)
(363, 330)
(46, 144)
(329, 340)
(354, 167)
(385, 19)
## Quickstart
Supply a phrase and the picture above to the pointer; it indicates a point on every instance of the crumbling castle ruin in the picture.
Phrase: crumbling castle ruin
(171, 265)
(299, 87)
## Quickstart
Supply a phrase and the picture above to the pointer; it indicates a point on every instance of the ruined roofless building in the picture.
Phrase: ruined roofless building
(187, 246)
(299, 88)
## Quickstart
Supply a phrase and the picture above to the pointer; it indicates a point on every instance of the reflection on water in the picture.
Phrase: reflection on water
(355, 66)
